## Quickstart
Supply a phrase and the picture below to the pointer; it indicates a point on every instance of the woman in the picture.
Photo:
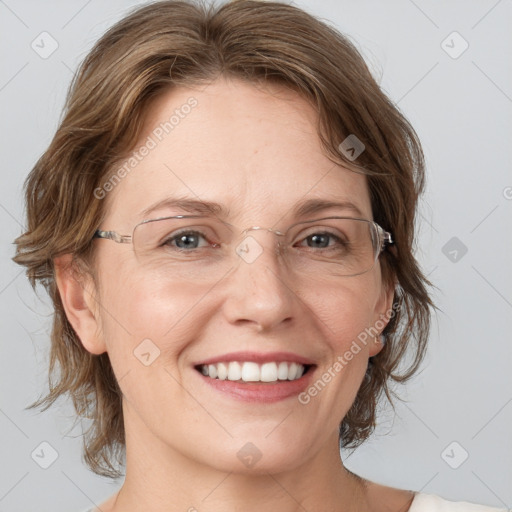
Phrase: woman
(224, 222)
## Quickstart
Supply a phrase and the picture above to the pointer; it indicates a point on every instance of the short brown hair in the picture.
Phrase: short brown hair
(174, 43)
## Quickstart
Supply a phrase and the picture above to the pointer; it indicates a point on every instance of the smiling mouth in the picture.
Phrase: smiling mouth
(249, 371)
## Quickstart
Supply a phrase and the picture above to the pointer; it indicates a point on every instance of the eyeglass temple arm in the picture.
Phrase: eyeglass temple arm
(112, 235)
(386, 238)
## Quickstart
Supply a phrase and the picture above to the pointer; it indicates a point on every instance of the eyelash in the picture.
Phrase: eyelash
(174, 237)
(180, 233)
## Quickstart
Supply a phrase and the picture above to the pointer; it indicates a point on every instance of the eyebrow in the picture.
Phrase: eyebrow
(207, 208)
(188, 205)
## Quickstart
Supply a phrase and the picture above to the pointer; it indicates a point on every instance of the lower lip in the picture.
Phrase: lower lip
(258, 391)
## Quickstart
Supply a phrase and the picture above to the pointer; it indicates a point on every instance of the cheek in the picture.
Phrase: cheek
(144, 330)
(344, 312)
(345, 317)
(140, 315)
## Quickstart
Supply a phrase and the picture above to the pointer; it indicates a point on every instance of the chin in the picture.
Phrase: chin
(257, 454)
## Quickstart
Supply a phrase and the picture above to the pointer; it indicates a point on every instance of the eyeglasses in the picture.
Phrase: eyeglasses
(195, 247)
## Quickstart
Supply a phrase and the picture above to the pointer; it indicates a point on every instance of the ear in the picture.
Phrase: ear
(382, 315)
(77, 293)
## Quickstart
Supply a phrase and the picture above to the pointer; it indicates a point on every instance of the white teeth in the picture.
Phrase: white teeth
(250, 372)
(268, 372)
(282, 371)
(212, 371)
(292, 371)
(222, 371)
(253, 372)
(234, 371)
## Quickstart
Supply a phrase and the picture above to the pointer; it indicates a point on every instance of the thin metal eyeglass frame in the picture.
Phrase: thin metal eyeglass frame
(385, 237)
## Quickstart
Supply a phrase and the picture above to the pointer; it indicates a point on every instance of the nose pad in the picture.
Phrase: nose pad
(249, 249)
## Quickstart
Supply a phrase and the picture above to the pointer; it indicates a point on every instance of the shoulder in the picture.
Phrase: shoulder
(432, 503)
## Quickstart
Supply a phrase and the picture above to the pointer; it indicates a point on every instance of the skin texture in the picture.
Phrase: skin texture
(255, 151)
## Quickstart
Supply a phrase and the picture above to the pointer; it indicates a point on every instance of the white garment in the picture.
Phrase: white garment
(432, 503)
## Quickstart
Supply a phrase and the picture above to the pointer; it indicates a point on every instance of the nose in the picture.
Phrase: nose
(260, 290)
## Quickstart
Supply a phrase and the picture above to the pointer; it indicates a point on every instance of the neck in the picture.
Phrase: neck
(161, 478)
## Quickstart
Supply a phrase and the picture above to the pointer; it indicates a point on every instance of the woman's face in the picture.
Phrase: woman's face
(258, 155)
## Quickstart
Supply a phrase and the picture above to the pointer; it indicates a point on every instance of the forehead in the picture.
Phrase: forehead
(254, 151)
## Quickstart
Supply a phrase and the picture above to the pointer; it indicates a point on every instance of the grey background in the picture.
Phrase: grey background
(461, 108)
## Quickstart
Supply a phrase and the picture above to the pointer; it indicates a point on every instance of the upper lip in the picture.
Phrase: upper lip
(257, 357)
